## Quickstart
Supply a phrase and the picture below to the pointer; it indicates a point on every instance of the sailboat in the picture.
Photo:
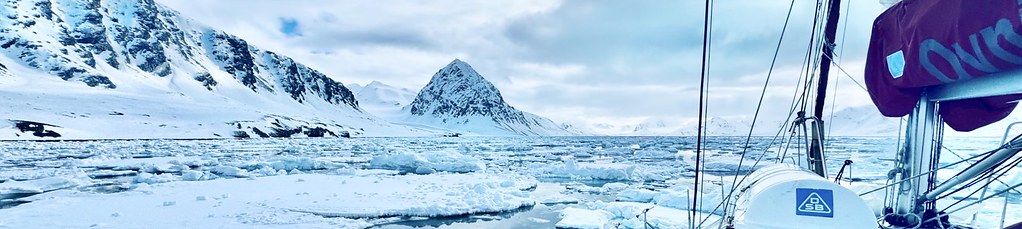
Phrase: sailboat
(935, 62)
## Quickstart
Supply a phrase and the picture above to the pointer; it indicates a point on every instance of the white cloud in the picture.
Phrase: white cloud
(571, 60)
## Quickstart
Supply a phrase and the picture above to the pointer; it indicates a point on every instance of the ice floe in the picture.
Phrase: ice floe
(588, 171)
(428, 162)
(308, 200)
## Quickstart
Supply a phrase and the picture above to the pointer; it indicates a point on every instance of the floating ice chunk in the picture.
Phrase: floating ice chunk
(192, 175)
(681, 198)
(589, 171)
(518, 148)
(438, 161)
(152, 165)
(229, 171)
(579, 218)
(149, 178)
(637, 195)
(302, 163)
(615, 187)
(267, 171)
(538, 220)
(656, 154)
(729, 163)
(559, 199)
(347, 172)
(582, 188)
(17, 189)
(100, 174)
(424, 170)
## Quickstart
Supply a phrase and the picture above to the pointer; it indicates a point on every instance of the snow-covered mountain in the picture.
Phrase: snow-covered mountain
(381, 99)
(862, 121)
(854, 121)
(137, 69)
(459, 99)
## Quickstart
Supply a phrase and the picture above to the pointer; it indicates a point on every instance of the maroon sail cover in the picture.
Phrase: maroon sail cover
(921, 43)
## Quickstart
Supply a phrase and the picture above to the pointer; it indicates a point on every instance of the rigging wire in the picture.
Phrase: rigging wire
(948, 213)
(960, 157)
(702, 92)
(989, 173)
(795, 101)
(815, 43)
(932, 171)
(850, 76)
(761, 98)
(762, 93)
(837, 80)
(991, 176)
(706, 99)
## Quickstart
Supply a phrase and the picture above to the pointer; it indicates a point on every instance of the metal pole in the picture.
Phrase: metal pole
(981, 166)
(1004, 209)
(829, 33)
(920, 143)
(985, 188)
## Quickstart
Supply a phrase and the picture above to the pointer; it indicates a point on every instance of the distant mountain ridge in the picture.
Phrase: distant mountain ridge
(853, 121)
(78, 40)
(132, 56)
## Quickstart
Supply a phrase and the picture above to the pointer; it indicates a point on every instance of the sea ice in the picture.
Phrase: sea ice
(308, 200)
(588, 171)
(428, 162)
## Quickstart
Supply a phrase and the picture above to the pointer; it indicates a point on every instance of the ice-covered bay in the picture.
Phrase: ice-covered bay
(392, 182)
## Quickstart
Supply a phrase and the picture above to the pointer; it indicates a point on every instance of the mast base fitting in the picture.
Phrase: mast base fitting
(911, 220)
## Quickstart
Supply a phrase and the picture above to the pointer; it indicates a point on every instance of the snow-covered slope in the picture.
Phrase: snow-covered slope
(862, 121)
(381, 99)
(136, 69)
(458, 98)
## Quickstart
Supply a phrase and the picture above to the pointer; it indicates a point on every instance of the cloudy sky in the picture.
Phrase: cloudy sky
(618, 62)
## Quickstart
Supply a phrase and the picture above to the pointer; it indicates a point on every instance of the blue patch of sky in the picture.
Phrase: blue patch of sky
(290, 27)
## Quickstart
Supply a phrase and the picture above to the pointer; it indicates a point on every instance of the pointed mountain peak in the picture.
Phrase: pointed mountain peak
(457, 61)
(458, 66)
(375, 84)
(458, 97)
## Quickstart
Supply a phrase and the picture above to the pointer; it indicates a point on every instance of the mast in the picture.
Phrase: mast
(920, 155)
(816, 157)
